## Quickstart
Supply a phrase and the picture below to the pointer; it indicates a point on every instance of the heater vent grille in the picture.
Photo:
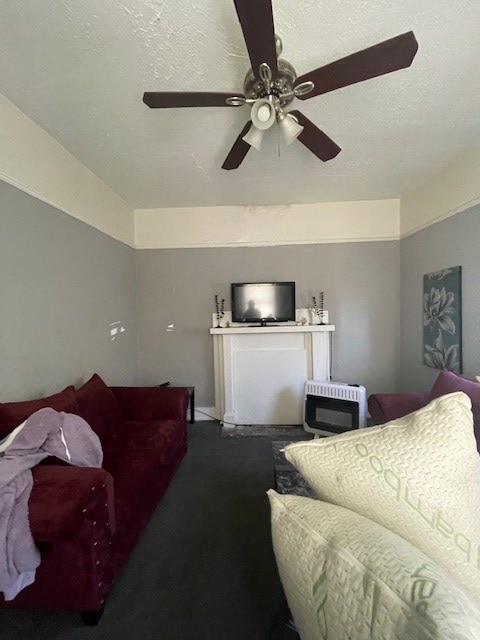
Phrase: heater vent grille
(339, 390)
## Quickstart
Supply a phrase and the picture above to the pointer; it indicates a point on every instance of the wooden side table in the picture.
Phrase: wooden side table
(191, 393)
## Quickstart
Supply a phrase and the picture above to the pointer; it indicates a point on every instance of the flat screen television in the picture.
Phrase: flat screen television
(262, 302)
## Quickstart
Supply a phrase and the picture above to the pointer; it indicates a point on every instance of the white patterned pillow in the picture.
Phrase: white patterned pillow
(418, 476)
(345, 576)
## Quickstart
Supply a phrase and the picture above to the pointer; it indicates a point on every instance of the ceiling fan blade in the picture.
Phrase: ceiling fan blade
(385, 57)
(239, 150)
(167, 100)
(315, 140)
(256, 20)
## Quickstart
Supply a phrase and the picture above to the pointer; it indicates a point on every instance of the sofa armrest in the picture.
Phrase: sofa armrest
(384, 407)
(153, 403)
(64, 497)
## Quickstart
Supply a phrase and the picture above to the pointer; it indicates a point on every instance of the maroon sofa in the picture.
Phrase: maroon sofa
(384, 407)
(86, 521)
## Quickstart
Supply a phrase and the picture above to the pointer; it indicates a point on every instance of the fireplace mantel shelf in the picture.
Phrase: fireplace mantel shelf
(289, 328)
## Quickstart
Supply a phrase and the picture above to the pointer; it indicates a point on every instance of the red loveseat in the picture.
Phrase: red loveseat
(384, 407)
(86, 521)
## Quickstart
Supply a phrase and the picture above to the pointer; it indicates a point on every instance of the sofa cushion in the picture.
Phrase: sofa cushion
(384, 407)
(345, 576)
(13, 414)
(165, 436)
(153, 403)
(418, 476)
(138, 477)
(448, 382)
(99, 407)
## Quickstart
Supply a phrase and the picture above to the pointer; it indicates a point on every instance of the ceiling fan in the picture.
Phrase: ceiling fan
(272, 84)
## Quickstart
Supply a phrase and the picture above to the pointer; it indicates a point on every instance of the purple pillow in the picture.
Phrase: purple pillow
(448, 382)
(14, 413)
(99, 407)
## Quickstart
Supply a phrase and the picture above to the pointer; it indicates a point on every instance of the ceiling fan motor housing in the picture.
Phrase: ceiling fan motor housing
(282, 83)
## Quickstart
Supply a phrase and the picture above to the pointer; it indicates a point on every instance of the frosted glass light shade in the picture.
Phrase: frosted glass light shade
(290, 128)
(263, 114)
(254, 137)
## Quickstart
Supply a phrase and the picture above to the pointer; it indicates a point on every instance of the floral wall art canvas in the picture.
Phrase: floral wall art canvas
(442, 319)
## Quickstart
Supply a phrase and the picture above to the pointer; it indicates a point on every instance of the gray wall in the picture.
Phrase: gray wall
(62, 284)
(177, 286)
(454, 241)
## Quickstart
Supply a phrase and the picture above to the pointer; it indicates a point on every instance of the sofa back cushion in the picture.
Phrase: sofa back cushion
(14, 413)
(448, 382)
(99, 407)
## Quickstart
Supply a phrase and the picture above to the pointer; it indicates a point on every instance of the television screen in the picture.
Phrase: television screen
(263, 302)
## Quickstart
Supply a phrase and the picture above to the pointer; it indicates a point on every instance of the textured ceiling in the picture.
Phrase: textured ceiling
(79, 69)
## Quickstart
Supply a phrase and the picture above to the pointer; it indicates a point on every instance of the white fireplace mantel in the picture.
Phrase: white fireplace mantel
(260, 372)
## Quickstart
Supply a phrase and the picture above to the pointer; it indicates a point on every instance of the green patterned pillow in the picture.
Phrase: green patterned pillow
(345, 576)
(418, 476)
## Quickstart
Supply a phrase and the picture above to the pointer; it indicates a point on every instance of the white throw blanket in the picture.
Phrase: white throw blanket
(46, 433)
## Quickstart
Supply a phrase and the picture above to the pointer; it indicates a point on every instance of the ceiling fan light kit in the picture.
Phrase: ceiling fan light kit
(271, 84)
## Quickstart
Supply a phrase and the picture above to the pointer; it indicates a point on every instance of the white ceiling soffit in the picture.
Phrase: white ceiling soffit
(79, 69)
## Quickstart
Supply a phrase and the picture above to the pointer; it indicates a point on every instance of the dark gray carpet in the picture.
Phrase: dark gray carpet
(204, 568)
